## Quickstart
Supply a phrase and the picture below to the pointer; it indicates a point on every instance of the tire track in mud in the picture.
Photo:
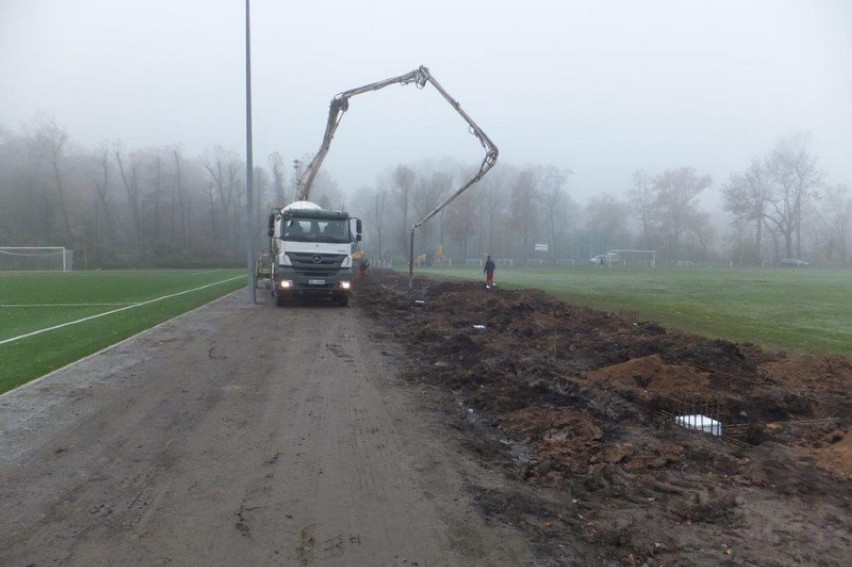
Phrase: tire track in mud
(327, 448)
(240, 435)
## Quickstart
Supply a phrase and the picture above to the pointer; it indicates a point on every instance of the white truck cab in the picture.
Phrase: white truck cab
(312, 252)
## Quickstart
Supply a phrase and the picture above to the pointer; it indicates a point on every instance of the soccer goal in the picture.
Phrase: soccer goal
(643, 258)
(36, 259)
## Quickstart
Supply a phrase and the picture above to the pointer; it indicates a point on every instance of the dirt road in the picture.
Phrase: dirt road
(239, 435)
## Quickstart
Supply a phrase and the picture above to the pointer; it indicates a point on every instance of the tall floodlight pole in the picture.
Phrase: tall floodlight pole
(250, 236)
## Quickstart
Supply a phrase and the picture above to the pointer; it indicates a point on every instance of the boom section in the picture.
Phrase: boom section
(340, 104)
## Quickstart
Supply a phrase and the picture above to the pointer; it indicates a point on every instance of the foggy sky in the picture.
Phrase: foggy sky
(603, 88)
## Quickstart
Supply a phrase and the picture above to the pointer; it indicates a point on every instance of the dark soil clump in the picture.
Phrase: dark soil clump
(579, 408)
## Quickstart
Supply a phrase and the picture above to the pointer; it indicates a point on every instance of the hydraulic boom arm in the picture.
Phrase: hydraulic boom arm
(340, 104)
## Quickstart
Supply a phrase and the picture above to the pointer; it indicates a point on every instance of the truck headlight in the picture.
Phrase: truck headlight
(345, 285)
(285, 284)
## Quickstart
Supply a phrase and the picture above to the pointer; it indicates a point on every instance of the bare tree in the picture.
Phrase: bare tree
(326, 193)
(54, 194)
(48, 144)
(795, 181)
(156, 182)
(103, 215)
(261, 183)
(835, 213)
(746, 197)
(553, 201)
(675, 191)
(642, 199)
(607, 221)
(493, 191)
(379, 200)
(224, 167)
(701, 236)
(403, 183)
(180, 201)
(24, 211)
(523, 212)
(276, 163)
(102, 189)
(128, 171)
(430, 192)
(461, 220)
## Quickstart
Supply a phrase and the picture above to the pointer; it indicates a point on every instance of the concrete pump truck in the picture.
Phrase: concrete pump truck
(310, 248)
(312, 252)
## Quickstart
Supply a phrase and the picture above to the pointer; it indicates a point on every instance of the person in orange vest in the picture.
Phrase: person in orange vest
(489, 272)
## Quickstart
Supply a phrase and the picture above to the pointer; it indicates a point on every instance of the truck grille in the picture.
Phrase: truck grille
(316, 265)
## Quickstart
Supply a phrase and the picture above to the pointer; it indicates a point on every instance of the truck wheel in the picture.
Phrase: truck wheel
(280, 300)
(341, 300)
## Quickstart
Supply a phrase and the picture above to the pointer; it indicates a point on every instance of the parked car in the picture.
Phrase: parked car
(794, 263)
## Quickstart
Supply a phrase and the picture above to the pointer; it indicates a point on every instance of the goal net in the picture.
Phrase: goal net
(631, 258)
(36, 258)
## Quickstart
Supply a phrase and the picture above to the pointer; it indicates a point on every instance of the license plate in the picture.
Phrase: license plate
(316, 282)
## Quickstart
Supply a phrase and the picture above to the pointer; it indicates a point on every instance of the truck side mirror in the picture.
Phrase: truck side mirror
(271, 226)
(358, 229)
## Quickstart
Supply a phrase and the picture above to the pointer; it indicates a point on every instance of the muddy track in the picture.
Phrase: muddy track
(241, 435)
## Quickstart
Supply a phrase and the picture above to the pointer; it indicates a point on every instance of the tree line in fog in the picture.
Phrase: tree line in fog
(120, 207)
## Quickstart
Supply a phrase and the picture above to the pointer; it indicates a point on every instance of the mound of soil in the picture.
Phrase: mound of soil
(580, 407)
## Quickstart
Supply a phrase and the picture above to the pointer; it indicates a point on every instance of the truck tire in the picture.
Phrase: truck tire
(280, 300)
(341, 300)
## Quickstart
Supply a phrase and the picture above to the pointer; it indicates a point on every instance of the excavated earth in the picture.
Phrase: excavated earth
(577, 409)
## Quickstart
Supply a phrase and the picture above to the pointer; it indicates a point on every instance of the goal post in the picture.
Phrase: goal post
(36, 259)
(631, 258)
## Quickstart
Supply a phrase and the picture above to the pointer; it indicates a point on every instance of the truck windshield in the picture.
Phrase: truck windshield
(308, 230)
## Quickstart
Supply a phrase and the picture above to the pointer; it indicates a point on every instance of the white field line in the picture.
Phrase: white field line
(112, 346)
(133, 306)
(63, 304)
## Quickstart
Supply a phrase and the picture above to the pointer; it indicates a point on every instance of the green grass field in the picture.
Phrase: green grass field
(795, 310)
(31, 302)
(799, 311)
